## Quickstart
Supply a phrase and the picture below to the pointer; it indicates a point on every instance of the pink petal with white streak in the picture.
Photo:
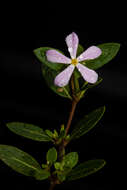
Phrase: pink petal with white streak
(91, 53)
(88, 74)
(72, 42)
(56, 57)
(62, 79)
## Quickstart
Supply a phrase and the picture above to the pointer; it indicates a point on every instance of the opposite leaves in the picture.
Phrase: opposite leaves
(22, 162)
(51, 70)
(85, 169)
(109, 51)
(29, 131)
(87, 123)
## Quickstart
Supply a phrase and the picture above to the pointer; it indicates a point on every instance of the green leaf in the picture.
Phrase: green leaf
(85, 169)
(49, 133)
(49, 76)
(55, 134)
(109, 51)
(29, 131)
(70, 160)
(44, 165)
(62, 132)
(58, 166)
(42, 174)
(40, 53)
(80, 50)
(51, 155)
(87, 123)
(61, 177)
(22, 162)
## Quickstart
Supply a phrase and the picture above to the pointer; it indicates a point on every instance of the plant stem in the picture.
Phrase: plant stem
(61, 153)
(52, 185)
(74, 103)
(67, 93)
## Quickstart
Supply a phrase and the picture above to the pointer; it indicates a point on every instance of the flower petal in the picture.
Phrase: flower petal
(91, 53)
(89, 75)
(72, 42)
(56, 57)
(63, 78)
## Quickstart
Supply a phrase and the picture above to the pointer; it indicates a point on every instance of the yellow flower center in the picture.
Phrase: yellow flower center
(74, 62)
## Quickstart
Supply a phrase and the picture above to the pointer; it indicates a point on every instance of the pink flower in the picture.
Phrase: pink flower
(72, 41)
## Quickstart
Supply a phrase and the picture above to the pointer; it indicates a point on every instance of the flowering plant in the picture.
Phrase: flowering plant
(69, 78)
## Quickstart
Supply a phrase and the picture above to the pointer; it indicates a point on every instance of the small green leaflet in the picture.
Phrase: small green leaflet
(85, 169)
(51, 155)
(70, 160)
(109, 51)
(22, 162)
(87, 123)
(29, 131)
(49, 133)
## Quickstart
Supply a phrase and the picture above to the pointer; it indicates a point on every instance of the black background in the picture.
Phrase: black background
(25, 97)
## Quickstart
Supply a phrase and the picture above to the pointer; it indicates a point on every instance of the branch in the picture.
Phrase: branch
(74, 103)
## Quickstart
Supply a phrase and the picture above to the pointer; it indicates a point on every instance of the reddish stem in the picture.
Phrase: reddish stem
(52, 185)
(74, 103)
(62, 145)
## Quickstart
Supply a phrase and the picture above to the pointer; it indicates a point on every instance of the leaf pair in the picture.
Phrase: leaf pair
(66, 165)
(69, 160)
(50, 70)
(25, 164)
(109, 51)
(69, 172)
(34, 132)
(63, 167)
